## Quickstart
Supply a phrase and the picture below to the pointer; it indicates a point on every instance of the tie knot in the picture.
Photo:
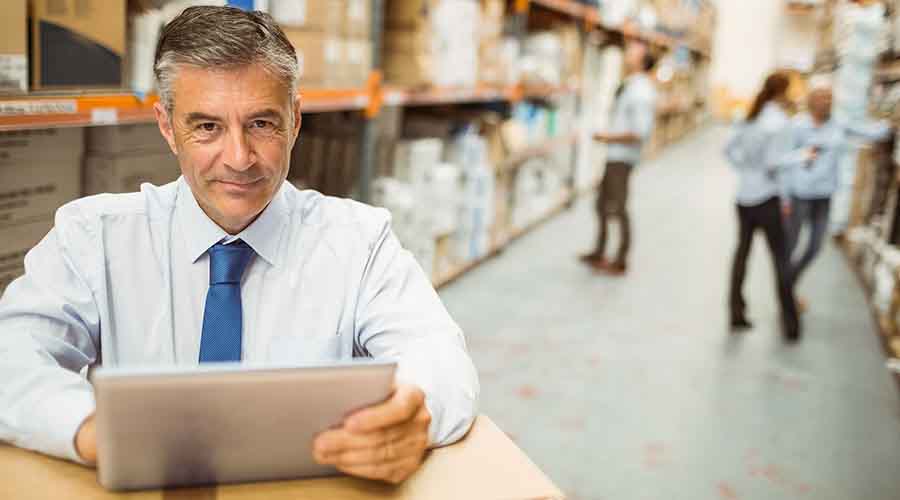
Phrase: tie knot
(227, 262)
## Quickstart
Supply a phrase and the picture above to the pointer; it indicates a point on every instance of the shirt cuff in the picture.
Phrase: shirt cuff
(58, 419)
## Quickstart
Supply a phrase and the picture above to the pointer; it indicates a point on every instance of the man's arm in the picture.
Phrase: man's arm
(401, 317)
(870, 131)
(625, 139)
(49, 331)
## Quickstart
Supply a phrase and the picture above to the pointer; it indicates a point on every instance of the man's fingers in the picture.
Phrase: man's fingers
(340, 440)
(394, 472)
(412, 445)
(402, 406)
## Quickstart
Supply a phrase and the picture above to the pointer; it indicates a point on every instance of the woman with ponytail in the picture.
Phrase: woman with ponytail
(761, 153)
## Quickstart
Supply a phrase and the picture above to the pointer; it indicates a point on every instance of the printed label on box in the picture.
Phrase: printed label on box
(356, 10)
(332, 50)
(41, 107)
(14, 72)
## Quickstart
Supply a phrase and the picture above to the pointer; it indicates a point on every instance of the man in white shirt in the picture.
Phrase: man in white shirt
(634, 115)
(230, 263)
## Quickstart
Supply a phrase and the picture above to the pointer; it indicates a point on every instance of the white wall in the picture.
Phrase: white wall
(754, 37)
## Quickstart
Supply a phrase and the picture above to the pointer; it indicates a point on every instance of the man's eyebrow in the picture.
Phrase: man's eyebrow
(201, 117)
(266, 113)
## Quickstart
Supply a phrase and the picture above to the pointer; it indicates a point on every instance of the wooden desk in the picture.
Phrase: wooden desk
(485, 465)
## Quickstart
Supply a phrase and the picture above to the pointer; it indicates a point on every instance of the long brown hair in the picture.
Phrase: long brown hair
(776, 86)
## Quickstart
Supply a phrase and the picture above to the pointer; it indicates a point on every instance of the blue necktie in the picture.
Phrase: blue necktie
(222, 318)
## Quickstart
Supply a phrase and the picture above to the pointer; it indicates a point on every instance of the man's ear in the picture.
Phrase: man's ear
(298, 117)
(164, 122)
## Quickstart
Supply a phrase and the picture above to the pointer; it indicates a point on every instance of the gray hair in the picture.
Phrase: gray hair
(222, 38)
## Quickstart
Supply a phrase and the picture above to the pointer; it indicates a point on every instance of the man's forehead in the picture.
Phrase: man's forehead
(244, 89)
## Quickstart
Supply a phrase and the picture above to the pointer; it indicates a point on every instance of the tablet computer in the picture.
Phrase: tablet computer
(224, 423)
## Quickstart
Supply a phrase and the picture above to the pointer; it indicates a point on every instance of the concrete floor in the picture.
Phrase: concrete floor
(632, 388)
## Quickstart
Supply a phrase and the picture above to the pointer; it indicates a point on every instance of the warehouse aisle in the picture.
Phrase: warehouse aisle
(633, 388)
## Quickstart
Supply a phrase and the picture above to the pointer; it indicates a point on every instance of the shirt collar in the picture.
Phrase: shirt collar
(201, 232)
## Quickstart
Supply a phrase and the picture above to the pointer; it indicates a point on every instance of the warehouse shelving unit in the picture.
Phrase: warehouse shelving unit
(114, 107)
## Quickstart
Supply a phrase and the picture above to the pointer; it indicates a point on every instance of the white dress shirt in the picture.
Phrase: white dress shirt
(122, 280)
(819, 179)
(762, 153)
(634, 112)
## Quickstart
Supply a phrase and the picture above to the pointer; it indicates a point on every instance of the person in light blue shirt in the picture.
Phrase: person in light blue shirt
(631, 124)
(760, 152)
(230, 263)
(812, 184)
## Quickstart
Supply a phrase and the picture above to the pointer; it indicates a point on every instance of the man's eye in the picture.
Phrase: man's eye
(262, 124)
(207, 127)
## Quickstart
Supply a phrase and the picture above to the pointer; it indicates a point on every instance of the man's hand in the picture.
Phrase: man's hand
(386, 442)
(86, 441)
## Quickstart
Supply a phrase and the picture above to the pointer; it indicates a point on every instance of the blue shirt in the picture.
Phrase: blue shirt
(761, 152)
(634, 112)
(819, 179)
(122, 280)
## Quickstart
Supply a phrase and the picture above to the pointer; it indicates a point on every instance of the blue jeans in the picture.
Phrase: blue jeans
(813, 213)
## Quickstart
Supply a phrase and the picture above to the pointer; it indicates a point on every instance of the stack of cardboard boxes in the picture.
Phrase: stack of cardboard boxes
(122, 158)
(77, 43)
(494, 60)
(40, 170)
(13, 47)
(332, 39)
(432, 42)
(326, 154)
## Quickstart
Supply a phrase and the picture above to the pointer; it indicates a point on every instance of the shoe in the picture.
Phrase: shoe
(741, 324)
(792, 337)
(600, 265)
(617, 269)
(592, 257)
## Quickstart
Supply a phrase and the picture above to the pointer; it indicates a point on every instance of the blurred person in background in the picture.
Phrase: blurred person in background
(759, 150)
(813, 183)
(633, 117)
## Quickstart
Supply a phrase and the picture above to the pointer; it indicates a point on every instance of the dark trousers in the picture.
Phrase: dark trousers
(766, 216)
(612, 201)
(813, 213)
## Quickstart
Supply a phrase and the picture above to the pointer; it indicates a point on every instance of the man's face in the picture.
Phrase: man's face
(820, 104)
(634, 57)
(233, 131)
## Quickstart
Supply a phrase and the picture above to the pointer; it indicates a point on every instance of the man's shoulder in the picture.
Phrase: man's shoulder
(318, 209)
(145, 203)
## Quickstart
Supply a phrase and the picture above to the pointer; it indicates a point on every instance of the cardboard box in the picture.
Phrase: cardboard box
(126, 173)
(309, 15)
(77, 43)
(41, 144)
(320, 56)
(124, 139)
(357, 62)
(34, 190)
(357, 21)
(485, 465)
(13, 47)
(409, 14)
(15, 243)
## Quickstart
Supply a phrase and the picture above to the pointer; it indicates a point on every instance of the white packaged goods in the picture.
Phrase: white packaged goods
(411, 219)
(15, 244)
(126, 173)
(542, 61)
(313, 15)
(476, 215)
(114, 140)
(432, 42)
(414, 158)
(33, 190)
(442, 191)
(144, 28)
